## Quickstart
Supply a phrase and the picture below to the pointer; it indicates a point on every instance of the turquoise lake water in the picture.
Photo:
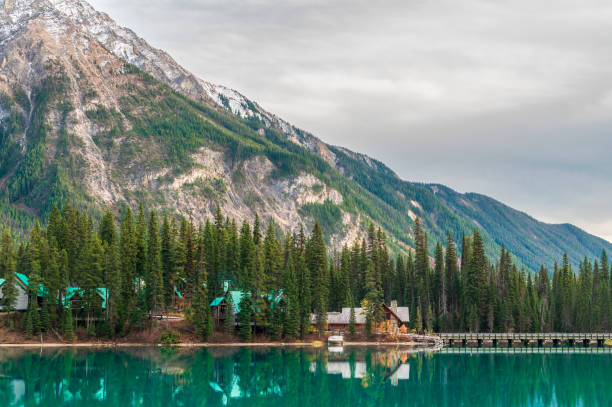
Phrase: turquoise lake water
(305, 377)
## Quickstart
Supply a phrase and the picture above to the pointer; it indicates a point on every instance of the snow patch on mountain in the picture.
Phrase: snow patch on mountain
(61, 16)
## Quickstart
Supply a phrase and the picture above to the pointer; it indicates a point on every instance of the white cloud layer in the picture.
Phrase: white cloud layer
(508, 98)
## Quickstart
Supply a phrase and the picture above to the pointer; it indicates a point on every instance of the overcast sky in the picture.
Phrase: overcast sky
(512, 99)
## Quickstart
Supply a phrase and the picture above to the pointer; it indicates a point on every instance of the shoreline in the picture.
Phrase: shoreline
(198, 344)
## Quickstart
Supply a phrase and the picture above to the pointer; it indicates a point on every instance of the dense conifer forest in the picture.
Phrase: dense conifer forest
(148, 261)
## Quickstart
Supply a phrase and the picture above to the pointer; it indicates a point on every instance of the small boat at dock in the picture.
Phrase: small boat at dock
(335, 340)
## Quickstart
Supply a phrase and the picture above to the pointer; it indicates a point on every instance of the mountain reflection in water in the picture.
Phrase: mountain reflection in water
(300, 377)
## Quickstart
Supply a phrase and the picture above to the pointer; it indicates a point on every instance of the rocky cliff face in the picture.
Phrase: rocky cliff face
(71, 70)
(91, 112)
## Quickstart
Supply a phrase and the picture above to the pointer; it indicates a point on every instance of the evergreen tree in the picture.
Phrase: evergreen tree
(316, 254)
(28, 326)
(247, 257)
(45, 324)
(7, 272)
(256, 230)
(418, 324)
(453, 282)
(168, 264)
(477, 282)
(230, 318)
(373, 301)
(113, 283)
(273, 276)
(202, 318)
(154, 272)
(292, 304)
(34, 317)
(304, 294)
(127, 298)
(244, 317)
(68, 327)
(108, 232)
(440, 281)
(352, 320)
(429, 320)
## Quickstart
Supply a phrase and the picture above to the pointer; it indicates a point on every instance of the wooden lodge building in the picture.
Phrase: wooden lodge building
(73, 298)
(393, 319)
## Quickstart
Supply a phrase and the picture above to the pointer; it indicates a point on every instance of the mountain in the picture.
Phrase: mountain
(89, 111)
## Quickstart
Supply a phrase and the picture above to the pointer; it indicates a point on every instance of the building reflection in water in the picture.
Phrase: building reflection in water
(292, 377)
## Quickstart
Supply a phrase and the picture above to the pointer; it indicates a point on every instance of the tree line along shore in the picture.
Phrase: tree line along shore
(108, 280)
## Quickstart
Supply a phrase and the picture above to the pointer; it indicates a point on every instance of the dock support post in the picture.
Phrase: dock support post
(464, 342)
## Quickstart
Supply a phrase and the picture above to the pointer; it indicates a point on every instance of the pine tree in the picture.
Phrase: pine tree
(304, 294)
(28, 326)
(292, 305)
(112, 273)
(247, 256)
(202, 318)
(316, 254)
(154, 271)
(373, 301)
(231, 257)
(55, 224)
(344, 283)
(256, 230)
(229, 324)
(91, 279)
(418, 323)
(68, 325)
(45, 324)
(453, 282)
(440, 281)
(35, 317)
(108, 232)
(127, 298)
(168, 264)
(422, 264)
(352, 321)
(477, 281)
(272, 260)
(429, 320)
(244, 317)
(7, 271)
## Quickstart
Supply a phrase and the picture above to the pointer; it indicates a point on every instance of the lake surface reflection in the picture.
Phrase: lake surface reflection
(304, 377)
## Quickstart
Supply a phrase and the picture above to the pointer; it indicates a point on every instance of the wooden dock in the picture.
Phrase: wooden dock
(540, 339)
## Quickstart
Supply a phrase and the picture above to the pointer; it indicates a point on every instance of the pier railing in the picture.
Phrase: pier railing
(541, 338)
(519, 336)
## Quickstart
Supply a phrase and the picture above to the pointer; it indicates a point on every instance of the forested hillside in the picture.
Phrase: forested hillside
(142, 265)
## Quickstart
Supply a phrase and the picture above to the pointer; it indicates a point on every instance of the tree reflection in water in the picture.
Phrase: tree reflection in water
(299, 377)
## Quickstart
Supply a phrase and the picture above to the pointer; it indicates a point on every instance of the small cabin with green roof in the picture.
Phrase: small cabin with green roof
(219, 305)
(22, 283)
(73, 298)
